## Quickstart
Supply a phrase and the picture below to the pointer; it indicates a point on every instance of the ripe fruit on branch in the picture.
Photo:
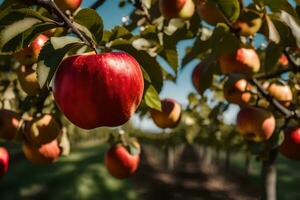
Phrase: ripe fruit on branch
(120, 163)
(42, 130)
(183, 9)
(255, 124)
(200, 78)
(98, 90)
(9, 122)
(249, 23)
(290, 146)
(281, 92)
(169, 116)
(283, 60)
(44, 154)
(4, 161)
(30, 54)
(243, 61)
(236, 90)
(209, 12)
(71, 5)
(28, 80)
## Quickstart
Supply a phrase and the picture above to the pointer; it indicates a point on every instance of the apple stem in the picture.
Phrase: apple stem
(51, 6)
(284, 111)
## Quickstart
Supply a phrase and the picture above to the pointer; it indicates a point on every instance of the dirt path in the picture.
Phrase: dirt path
(189, 181)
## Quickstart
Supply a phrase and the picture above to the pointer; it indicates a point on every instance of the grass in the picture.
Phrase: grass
(288, 176)
(81, 175)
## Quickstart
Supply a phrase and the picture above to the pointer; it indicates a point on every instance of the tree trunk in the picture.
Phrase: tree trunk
(218, 155)
(247, 164)
(227, 159)
(269, 177)
(169, 159)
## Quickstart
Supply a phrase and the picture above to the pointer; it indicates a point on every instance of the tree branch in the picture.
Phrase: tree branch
(97, 4)
(283, 110)
(52, 7)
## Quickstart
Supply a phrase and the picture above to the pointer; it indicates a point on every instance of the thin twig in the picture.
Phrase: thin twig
(97, 4)
(52, 7)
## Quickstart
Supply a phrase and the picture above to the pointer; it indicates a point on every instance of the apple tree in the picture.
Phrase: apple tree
(57, 60)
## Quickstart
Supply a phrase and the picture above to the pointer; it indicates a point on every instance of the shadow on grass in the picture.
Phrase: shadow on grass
(81, 175)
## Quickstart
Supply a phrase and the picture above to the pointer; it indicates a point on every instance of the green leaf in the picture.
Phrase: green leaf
(230, 8)
(120, 32)
(52, 54)
(152, 98)
(273, 52)
(272, 33)
(170, 54)
(25, 38)
(90, 19)
(293, 23)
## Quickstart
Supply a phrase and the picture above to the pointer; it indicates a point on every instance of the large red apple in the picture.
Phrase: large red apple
(290, 146)
(30, 54)
(71, 5)
(169, 116)
(43, 154)
(255, 124)
(243, 61)
(98, 90)
(183, 9)
(120, 163)
(4, 161)
(9, 123)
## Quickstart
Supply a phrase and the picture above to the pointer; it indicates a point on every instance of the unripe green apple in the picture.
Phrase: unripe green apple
(44, 154)
(236, 90)
(170, 115)
(243, 61)
(183, 9)
(249, 23)
(28, 80)
(9, 123)
(255, 124)
(42, 130)
(71, 5)
(290, 146)
(30, 54)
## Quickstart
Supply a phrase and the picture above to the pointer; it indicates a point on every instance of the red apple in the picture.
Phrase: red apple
(169, 116)
(4, 161)
(255, 124)
(281, 92)
(283, 60)
(71, 5)
(9, 123)
(28, 80)
(120, 163)
(30, 54)
(290, 146)
(42, 130)
(209, 12)
(197, 78)
(236, 90)
(183, 9)
(44, 154)
(98, 90)
(249, 23)
(243, 61)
